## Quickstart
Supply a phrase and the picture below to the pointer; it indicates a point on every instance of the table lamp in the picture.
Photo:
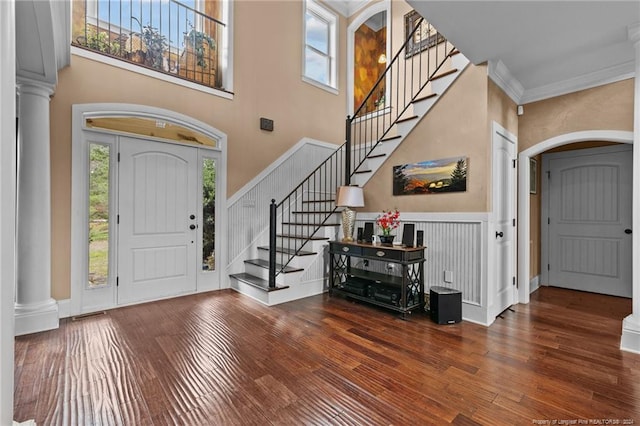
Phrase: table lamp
(349, 196)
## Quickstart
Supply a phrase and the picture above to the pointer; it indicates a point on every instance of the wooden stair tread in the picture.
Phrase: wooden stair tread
(390, 138)
(424, 98)
(256, 282)
(303, 237)
(444, 74)
(320, 201)
(402, 120)
(289, 251)
(318, 211)
(376, 155)
(265, 264)
(309, 224)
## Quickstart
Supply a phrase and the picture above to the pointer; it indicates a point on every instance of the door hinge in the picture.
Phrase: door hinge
(548, 267)
(514, 280)
(118, 157)
(118, 220)
(548, 221)
(117, 281)
(514, 222)
(549, 175)
(515, 161)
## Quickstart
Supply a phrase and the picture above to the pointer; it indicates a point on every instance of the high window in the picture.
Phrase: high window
(320, 36)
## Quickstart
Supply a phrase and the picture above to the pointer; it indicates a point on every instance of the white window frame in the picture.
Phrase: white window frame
(226, 59)
(331, 18)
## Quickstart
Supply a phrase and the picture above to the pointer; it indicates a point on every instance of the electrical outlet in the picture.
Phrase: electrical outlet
(448, 276)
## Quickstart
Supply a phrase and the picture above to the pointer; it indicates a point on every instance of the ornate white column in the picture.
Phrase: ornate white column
(35, 310)
(631, 325)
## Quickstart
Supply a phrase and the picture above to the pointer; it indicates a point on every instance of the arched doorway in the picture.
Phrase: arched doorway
(524, 204)
(148, 206)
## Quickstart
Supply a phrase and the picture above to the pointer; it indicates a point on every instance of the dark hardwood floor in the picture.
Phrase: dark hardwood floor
(223, 359)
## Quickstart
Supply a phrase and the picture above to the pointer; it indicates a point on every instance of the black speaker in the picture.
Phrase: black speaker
(419, 238)
(408, 234)
(359, 234)
(445, 305)
(367, 234)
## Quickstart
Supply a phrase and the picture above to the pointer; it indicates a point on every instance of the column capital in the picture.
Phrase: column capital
(633, 32)
(34, 87)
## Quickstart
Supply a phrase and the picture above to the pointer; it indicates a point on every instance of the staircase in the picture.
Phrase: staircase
(307, 218)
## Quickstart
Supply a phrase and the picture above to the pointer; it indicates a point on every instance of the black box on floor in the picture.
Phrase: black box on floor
(445, 305)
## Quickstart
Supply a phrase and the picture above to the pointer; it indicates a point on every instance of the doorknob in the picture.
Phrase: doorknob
(192, 226)
(499, 234)
(628, 231)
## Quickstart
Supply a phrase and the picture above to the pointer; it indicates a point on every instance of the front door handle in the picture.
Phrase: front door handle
(499, 234)
(628, 231)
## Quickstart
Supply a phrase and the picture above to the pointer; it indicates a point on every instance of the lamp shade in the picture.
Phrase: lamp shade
(350, 196)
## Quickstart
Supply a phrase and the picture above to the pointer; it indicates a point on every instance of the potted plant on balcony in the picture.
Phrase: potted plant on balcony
(195, 63)
(152, 47)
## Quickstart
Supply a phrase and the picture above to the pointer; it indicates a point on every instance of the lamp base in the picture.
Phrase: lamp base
(348, 222)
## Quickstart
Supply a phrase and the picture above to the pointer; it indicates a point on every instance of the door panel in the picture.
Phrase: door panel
(157, 198)
(504, 179)
(589, 210)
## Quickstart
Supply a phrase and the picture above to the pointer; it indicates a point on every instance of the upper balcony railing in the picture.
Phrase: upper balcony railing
(167, 36)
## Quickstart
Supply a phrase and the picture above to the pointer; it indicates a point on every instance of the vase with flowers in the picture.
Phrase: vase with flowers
(387, 222)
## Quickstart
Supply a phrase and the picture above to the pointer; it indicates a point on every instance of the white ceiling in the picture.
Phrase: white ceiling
(538, 49)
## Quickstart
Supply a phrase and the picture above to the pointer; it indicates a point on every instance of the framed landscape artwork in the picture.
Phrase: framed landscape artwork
(431, 177)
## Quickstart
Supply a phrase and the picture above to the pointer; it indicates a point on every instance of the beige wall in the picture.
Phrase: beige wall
(267, 83)
(443, 134)
(608, 107)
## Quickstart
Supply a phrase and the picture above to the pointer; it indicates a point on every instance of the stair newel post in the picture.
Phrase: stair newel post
(347, 154)
(273, 209)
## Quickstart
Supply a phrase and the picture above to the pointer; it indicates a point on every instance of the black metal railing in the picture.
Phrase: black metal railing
(166, 36)
(402, 83)
(297, 218)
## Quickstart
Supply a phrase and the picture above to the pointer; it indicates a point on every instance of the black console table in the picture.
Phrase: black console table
(402, 293)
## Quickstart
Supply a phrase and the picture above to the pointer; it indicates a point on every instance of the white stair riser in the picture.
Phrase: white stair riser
(422, 107)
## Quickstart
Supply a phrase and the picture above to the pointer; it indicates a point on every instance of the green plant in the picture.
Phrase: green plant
(155, 43)
(197, 40)
(100, 41)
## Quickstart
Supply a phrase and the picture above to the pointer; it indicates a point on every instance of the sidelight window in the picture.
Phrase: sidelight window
(208, 214)
(99, 227)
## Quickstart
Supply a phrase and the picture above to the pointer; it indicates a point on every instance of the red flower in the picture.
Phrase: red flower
(388, 221)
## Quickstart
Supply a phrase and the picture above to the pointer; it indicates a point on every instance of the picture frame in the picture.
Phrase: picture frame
(424, 37)
(533, 176)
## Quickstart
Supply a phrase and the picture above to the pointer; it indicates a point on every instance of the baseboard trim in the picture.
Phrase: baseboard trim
(630, 340)
(64, 308)
(534, 284)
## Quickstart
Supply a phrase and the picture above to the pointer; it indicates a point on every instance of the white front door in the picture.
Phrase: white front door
(504, 186)
(157, 231)
(589, 219)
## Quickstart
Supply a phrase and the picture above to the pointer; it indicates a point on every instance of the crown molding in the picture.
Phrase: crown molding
(500, 74)
(346, 8)
(608, 75)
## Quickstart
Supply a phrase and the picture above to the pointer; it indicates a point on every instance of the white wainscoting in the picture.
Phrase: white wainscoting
(248, 209)
(455, 242)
